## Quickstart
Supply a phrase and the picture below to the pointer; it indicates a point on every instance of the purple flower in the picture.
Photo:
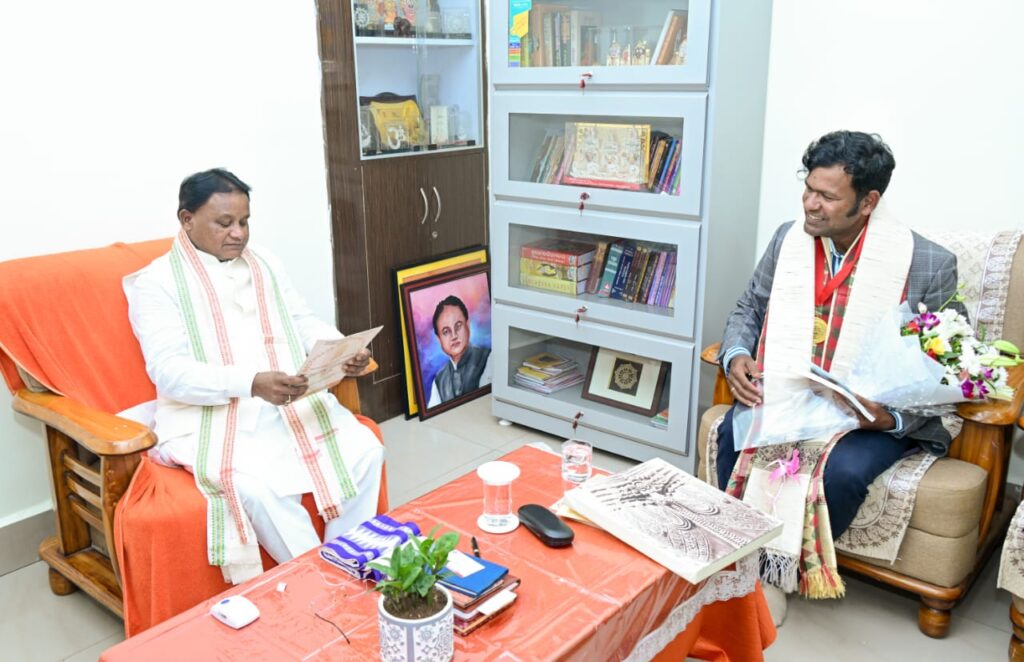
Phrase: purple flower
(988, 372)
(927, 321)
(982, 389)
(967, 388)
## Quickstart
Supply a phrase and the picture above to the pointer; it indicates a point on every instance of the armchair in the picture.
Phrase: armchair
(962, 510)
(129, 532)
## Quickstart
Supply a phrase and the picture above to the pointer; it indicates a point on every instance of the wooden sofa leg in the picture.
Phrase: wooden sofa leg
(60, 585)
(933, 617)
(1017, 640)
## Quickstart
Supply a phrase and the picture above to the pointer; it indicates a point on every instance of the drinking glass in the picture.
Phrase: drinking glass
(497, 478)
(577, 460)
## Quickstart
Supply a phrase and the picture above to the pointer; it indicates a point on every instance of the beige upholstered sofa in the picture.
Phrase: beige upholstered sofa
(961, 511)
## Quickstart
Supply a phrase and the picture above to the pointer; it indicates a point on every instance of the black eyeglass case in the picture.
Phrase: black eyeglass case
(546, 525)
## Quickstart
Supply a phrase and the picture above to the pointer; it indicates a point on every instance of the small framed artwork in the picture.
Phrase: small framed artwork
(448, 323)
(414, 271)
(623, 380)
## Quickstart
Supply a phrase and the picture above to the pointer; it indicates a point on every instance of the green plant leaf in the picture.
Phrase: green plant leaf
(1006, 347)
(413, 575)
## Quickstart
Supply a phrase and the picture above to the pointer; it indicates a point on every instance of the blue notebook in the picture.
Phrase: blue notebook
(478, 582)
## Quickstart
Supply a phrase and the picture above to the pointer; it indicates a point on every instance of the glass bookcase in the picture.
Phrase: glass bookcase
(418, 76)
(565, 147)
(602, 42)
(621, 385)
(650, 290)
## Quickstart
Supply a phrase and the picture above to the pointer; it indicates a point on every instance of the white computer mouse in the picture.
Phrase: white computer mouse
(236, 611)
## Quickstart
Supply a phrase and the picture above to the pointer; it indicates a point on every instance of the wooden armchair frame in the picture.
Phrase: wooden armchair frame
(984, 441)
(85, 495)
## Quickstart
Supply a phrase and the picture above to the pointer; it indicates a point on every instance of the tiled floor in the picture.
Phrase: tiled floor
(869, 624)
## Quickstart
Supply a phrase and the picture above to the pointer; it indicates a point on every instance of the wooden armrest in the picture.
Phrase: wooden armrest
(998, 412)
(370, 368)
(710, 354)
(98, 431)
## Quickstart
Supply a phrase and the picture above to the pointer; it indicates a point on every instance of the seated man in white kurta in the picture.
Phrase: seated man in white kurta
(224, 333)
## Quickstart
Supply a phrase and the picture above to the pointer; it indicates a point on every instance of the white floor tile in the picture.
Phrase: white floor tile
(473, 421)
(92, 653)
(35, 624)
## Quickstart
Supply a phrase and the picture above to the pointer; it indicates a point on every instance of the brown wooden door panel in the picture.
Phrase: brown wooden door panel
(458, 183)
(396, 234)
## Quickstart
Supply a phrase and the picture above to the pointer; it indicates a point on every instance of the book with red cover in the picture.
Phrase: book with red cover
(467, 603)
(559, 251)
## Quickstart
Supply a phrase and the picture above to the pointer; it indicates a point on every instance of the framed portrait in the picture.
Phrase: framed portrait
(624, 380)
(448, 324)
(414, 271)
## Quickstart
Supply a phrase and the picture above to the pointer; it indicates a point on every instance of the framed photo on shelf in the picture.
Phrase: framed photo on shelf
(624, 380)
(414, 271)
(448, 324)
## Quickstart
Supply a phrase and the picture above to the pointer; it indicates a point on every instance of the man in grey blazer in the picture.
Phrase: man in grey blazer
(846, 175)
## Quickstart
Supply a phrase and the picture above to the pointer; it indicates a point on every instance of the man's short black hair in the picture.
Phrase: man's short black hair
(865, 157)
(450, 300)
(196, 189)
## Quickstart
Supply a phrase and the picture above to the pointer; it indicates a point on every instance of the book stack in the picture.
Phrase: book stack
(633, 272)
(480, 589)
(548, 373)
(660, 420)
(558, 265)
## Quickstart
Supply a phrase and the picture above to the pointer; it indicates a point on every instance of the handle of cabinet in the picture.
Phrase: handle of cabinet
(426, 206)
(437, 196)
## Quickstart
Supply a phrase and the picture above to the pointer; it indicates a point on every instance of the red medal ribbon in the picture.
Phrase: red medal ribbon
(823, 290)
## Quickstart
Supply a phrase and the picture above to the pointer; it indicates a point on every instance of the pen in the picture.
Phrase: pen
(476, 547)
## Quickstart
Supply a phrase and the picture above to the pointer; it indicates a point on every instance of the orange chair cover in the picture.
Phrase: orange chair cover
(64, 320)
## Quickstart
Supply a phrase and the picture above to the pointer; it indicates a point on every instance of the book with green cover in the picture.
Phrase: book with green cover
(611, 267)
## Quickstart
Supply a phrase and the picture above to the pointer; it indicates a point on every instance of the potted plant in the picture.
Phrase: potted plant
(414, 612)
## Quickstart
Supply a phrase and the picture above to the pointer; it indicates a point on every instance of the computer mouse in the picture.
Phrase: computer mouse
(236, 611)
(546, 525)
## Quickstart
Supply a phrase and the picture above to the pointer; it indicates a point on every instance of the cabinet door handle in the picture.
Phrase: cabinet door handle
(426, 206)
(437, 196)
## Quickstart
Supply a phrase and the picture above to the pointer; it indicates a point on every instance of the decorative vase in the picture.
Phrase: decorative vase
(430, 639)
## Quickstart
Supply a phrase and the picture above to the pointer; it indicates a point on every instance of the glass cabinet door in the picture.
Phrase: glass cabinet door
(598, 42)
(418, 75)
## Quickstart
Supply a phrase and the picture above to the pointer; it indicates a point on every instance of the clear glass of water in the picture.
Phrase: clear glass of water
(577, 460)
(498, 515)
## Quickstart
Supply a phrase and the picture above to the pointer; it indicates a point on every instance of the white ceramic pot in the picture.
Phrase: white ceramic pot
(430, 639)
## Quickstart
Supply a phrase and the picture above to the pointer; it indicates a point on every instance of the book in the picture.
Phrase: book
(550, 386)
(610, 155)
(469, 604)
(656, 159)
(559, 251)
(553, 284)
(546, 361)
(622, 273)
(548, 269)
(660, 420)
(636, 273)
(673, 148)
(479, 577)
(597, 267)
(674, 518)
(501, 602)
(673, 19)
(611, 267)
(645, 284)
(487, 604)
(673, 169)
(659, 269)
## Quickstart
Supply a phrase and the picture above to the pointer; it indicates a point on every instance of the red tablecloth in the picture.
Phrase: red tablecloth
(596, 600)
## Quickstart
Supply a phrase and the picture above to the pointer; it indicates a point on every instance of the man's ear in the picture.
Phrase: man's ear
(870, 202)
(185, 218)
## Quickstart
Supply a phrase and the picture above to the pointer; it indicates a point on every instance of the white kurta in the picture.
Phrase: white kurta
(265, 454)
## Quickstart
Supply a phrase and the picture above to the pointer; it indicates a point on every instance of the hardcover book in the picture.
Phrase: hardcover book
(549, 269)
(597, 267)
(611, 267)
(553, 284)
(674, 518)
(610, 156)
(559, 251)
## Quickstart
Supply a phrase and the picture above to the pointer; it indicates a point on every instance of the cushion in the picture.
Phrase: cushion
(934, 559)
(709, 417)
(949, 499)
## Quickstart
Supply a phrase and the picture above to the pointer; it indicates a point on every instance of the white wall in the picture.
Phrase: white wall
(105, 106)
(939, 80)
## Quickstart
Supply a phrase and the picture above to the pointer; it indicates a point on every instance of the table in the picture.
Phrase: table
(596, 600)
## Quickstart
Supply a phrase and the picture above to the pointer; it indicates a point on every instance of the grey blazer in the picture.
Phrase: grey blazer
(933, 280)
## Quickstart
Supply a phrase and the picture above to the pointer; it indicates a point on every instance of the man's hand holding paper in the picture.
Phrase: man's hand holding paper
(330, 361)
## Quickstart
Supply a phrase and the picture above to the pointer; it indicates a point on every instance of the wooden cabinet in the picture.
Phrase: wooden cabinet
(390, 208)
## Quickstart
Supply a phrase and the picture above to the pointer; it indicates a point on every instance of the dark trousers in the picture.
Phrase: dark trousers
(857, 459)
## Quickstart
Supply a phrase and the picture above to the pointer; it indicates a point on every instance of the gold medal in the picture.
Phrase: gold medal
(820, 331)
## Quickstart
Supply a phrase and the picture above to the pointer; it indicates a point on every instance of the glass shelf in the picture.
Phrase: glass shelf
(608, 41)
(418, 76)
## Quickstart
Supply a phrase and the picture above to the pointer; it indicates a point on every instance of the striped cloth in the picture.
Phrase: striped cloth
(375, 537)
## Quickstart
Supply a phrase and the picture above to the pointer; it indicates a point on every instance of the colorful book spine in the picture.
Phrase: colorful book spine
(636, 273)
(652, 294)
(648, 277)
(673, 148)
(668, 282)
(552, 284)
(574, 258)
(673, 170)
(597, 267)
(622, 274)
(611, 267)
(549, 270)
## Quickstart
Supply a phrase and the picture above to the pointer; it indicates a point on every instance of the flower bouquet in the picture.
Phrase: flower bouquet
(978, 368)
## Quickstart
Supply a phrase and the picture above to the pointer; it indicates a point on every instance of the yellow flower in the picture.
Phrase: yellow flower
(937, 346)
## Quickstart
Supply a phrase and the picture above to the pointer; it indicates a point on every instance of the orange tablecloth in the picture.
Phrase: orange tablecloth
(596, 600)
